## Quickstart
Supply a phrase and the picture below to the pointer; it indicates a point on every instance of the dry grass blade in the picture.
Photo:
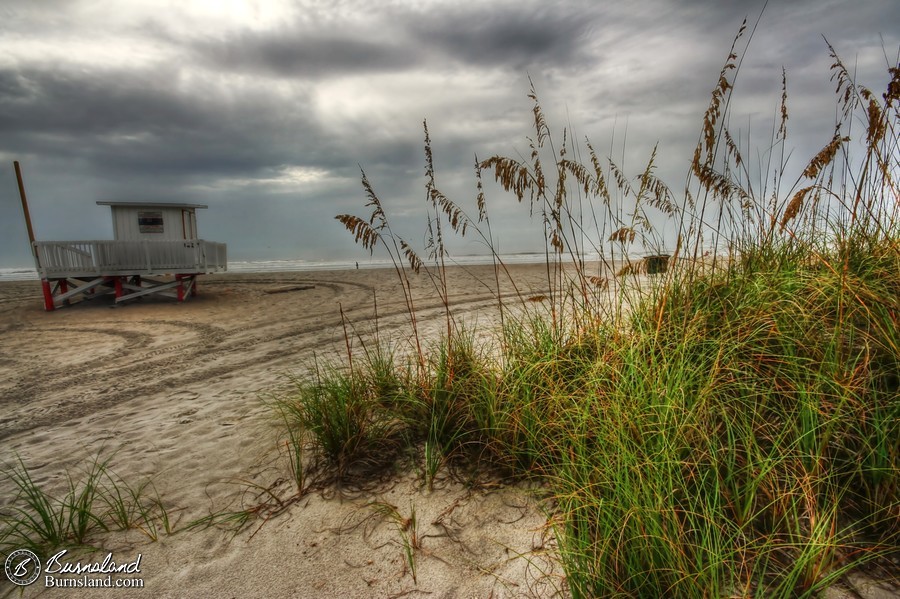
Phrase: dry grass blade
(411, 256)
(719, 184)
(599, 187)
(539, 181)
(429, 156)
(479, 200)
(622, 183)
(511, 174)
(845, 88)
(824, 157)
(580, 172)
(732, 148)
(623, 235)
(709, 136)
(556, 240)
(782, 126)
(540, 123)
(662, 197)
(659, 195)
(601, 283)
(793, 208)
(632, 268)
(561, 170)
(893, 89)
(373, 201)
(363, 232)
(877, 120)
(458, 220)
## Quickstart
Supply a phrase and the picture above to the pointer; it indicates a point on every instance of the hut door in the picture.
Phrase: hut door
(189, 224)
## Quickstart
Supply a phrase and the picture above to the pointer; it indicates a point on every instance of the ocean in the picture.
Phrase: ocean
(26, 273)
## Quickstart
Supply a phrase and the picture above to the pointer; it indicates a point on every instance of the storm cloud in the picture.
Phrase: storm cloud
(267, 111)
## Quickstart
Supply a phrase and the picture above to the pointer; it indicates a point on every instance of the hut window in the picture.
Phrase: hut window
(150, 222)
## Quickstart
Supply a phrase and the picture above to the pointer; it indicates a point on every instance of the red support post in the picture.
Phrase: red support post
(180, 288)
(118, 287)
(48, 295)
(194, 287)
(63, 288)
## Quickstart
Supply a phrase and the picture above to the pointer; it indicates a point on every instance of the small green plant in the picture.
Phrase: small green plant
(96, 502)
(37, 521)
(407, 528)
(130, 507)
(294, 443)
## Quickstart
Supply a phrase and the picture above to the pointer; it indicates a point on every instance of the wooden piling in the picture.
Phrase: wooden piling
(21, 183)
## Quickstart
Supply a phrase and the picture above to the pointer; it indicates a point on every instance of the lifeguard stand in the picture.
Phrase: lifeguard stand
(150, 239)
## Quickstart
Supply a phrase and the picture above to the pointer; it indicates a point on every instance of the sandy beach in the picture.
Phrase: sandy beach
(175, 393)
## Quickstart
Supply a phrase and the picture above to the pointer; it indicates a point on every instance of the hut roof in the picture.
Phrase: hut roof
(153, 204)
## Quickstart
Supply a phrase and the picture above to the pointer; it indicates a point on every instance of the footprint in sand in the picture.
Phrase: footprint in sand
(185, 395)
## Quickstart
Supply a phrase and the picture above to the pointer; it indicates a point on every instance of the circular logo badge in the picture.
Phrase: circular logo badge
(22, 567)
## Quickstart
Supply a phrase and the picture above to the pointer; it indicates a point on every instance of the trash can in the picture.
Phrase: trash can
(657, 264)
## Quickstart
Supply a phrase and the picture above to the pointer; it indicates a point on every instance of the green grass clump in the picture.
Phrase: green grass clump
(746, 438)
(345, 416)
(96, 502)
(728, 428)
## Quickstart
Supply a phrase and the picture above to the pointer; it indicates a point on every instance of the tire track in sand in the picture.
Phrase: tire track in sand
(215, 353)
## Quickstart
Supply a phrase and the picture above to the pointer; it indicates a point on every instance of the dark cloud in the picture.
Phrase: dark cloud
(148, 121)
(268, 124)
(303, 54)
(528, 36)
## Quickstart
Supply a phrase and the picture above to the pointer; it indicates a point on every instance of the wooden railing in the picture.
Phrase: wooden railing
(97, 258)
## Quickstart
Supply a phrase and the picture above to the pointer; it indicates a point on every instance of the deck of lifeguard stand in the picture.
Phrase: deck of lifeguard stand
(125, 269)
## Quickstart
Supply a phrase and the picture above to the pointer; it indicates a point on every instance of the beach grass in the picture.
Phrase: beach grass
(95, 500)
(730, 427)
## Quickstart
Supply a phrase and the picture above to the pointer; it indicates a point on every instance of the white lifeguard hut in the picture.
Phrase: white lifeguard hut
(150, 239)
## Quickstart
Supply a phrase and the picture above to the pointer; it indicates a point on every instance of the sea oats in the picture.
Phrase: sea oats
(623, 235)
(363, 232)
(824, 157)
(793, 208)
(782, 126)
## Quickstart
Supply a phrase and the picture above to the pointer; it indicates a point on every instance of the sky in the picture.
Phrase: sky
(266, 111)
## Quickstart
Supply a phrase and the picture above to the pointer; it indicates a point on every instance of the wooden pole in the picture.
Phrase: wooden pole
(45, 284)
(25, 206)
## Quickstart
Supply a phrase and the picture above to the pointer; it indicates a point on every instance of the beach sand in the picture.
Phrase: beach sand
(175, 393)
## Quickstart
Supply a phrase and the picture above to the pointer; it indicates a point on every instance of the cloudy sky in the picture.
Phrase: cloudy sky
(265, 110)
